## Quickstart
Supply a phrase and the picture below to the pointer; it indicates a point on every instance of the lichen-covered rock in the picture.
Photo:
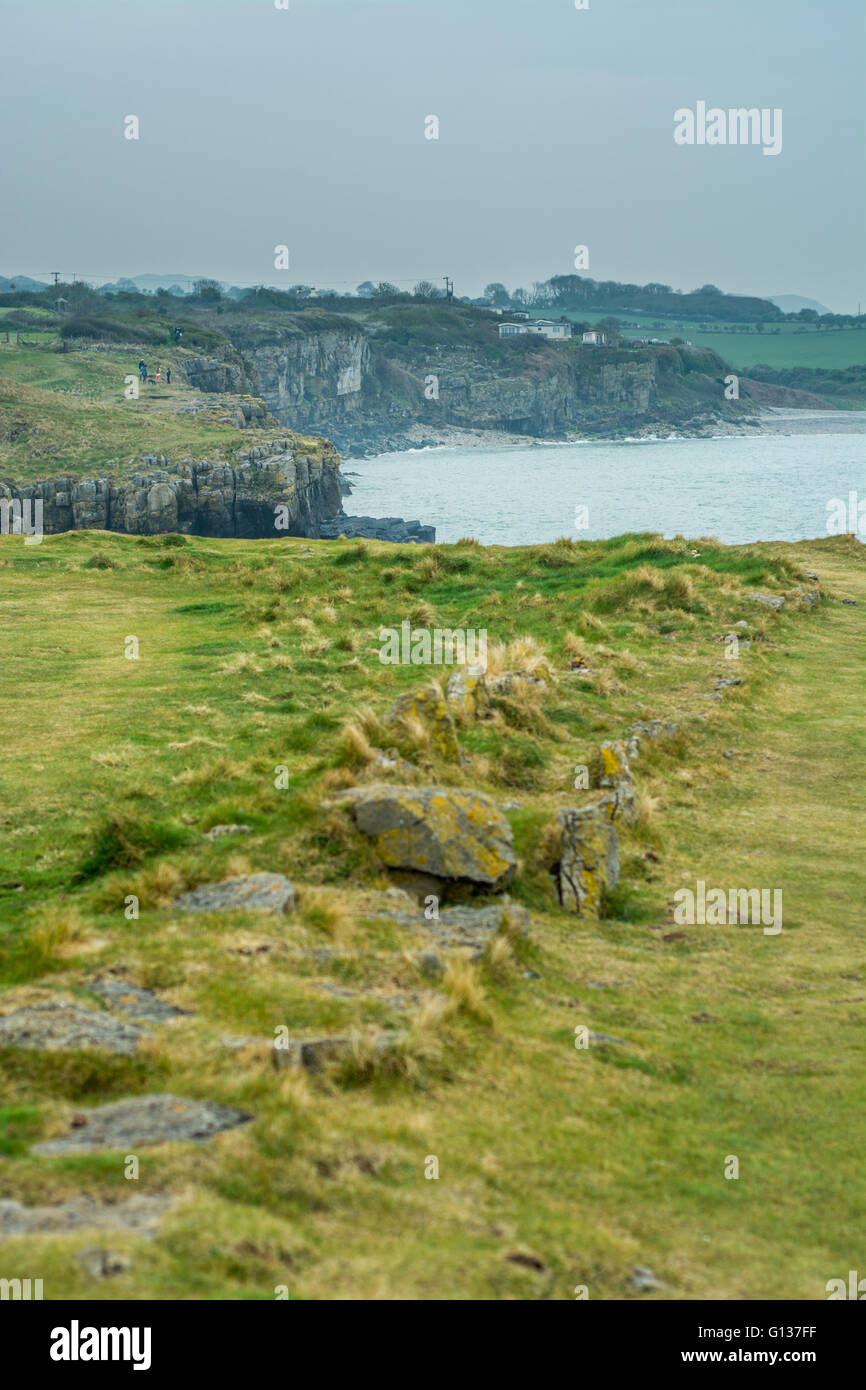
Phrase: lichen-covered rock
(442, 831)
(426, 707)
(614, 762)
(615, 777)
(248, 893)
(467, 692)
(589, 858)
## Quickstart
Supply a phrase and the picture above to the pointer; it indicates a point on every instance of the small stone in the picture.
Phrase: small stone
(652, 728)
(315, 1054)
(775, 601)
(644, 1281)
(430, 964)
(399, 895)
(217, 831)
(248, 893)
(102, 1264)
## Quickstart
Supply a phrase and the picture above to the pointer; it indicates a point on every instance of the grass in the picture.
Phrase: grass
(778, 345)
(63, 413)
(583, 1164)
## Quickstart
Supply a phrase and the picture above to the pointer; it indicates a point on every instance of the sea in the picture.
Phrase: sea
(738, 489)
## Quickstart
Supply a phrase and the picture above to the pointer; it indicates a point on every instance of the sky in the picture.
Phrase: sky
(305, 127)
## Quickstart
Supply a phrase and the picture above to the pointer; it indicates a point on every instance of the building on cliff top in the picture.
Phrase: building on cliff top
(544, 328)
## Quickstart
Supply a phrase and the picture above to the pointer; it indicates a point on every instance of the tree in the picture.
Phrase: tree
(567, 289)
(208, 291)
(385, 290)
(707, 289)
(497, 294)
(366, 289)
(425, 289)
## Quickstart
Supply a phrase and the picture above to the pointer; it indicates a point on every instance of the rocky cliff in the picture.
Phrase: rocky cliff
(241, 497)
(372, 387)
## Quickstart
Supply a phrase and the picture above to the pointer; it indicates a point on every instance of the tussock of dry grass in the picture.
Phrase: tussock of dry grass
(465, 991)
(245, 663)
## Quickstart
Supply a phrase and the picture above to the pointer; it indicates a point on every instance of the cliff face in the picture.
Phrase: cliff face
(366, 391)
(307, 374)
(204, 498)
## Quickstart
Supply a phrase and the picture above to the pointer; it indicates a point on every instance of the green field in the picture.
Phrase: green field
(66, 412)
(557, 1167)
(782, 345)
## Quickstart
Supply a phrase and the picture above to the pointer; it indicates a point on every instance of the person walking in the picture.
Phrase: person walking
(168, 376)
(142, 370)
(158, 375)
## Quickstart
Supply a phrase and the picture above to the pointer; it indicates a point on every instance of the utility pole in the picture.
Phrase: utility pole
(449, 287)
(56, 274)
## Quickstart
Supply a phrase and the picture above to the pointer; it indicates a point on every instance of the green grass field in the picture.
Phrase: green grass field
(558, 1167)
(66, 412)
(790, 346)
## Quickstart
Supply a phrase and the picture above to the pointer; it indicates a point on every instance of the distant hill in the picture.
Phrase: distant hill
(21, 282)
(793, 303)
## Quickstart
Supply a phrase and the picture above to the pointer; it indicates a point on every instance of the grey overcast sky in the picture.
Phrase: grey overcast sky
(305, 127)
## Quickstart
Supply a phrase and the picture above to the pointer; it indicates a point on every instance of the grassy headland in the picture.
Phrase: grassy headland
(558, 1167)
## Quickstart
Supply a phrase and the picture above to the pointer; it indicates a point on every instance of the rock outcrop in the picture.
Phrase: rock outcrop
(588, 862)
(248, 893)
(378, 528)
(443, 832)
(160, 1119)
(428, 709)
(200, 497)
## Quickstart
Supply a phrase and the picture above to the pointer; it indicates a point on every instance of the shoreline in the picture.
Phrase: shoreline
(769, 421)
